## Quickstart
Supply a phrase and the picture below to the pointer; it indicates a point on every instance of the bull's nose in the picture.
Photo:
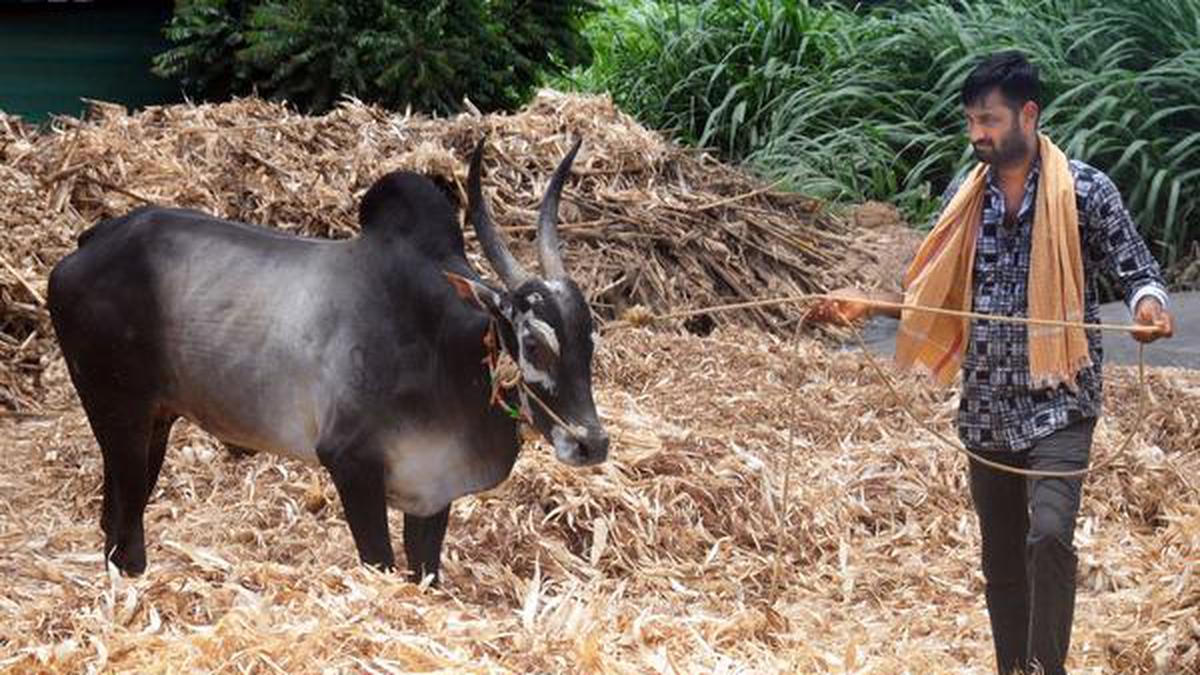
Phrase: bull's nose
(597, 445)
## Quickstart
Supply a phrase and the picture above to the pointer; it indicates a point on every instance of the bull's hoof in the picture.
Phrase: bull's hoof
(131, 563)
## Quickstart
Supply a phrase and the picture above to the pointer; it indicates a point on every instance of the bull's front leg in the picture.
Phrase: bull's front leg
(423, 537)
(359, 476)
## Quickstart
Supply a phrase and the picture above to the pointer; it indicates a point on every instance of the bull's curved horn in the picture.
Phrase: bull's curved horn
(510, 271)
(547, 236)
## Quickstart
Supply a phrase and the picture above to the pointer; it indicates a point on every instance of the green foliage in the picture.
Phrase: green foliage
(399, 53)
(208, 34)
(862, 103)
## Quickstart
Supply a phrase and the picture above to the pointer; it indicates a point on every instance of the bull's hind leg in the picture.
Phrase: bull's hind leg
(132, 443)
(104, 311)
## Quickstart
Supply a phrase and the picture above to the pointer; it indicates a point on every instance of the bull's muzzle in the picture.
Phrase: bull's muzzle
(581, 449)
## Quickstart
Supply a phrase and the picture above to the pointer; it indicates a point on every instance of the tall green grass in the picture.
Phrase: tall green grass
(863, 104)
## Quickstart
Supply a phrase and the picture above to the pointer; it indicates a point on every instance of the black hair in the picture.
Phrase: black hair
(1011, 73)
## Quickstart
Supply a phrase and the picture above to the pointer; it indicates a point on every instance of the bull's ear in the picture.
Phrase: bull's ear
(477, 294)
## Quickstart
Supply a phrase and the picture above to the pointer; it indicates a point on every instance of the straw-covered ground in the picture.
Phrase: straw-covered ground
(695, 549)
(768, 505)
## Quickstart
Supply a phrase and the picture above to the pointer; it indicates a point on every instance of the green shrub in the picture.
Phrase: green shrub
(854, 104)
(207, 34)
(399, 53)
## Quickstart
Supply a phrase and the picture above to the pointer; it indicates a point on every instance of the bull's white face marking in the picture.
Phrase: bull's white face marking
(532, 329)
(544, 333)
(535, 376)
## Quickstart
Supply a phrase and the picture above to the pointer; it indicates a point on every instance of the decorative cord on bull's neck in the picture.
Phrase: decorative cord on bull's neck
(504, 377)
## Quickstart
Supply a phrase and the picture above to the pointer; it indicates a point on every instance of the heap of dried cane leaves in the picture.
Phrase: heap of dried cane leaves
(645, 222)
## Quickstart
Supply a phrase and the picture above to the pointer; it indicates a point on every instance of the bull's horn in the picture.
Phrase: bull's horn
(547, 236)
(494, 248)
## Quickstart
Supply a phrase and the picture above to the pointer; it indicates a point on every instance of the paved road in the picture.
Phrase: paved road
(1181, 351)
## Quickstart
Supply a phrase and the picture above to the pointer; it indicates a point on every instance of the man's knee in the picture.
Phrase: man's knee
(1051, 527)
(1054, 509)
(1005, 567)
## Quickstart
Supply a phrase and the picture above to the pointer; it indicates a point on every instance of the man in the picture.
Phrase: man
(1026, 233)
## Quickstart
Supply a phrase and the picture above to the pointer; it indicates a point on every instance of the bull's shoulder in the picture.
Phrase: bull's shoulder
(409, 206)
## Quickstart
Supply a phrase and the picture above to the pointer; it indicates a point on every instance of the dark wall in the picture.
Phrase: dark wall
(52, 54)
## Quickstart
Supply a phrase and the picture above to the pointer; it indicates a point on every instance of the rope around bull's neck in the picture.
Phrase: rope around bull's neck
(501, 382)
(891, 385)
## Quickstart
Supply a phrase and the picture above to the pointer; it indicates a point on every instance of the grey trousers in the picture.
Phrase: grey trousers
(1028, 529)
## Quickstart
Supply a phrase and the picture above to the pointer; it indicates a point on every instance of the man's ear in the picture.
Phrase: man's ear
(478, 295)
(1030, 112)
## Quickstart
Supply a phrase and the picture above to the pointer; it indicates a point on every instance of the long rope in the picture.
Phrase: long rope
(1029, 473)
(808, 297)
(887, 380)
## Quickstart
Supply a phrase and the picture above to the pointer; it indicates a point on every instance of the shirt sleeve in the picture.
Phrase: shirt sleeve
(1119, 248)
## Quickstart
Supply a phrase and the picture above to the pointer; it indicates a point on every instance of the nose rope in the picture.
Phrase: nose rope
(577, 432)
(505, 375)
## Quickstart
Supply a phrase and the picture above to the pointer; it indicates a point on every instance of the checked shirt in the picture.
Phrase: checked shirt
(997, 408)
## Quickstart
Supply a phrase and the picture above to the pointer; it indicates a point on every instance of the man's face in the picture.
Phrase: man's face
(998, 133)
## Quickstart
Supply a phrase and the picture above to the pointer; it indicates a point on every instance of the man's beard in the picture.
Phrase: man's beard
(1008, 150)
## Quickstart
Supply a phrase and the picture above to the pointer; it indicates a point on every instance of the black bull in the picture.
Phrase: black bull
(366, 355)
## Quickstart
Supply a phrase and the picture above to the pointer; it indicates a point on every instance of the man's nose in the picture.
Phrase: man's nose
(977, 134)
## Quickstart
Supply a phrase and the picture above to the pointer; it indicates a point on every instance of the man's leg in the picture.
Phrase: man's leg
(1050, 550)
(1001, 503)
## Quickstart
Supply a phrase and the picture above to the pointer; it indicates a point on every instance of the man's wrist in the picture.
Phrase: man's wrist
(1147, 292)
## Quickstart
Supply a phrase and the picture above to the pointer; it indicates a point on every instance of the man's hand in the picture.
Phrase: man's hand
(1150, 312)
(842, 311)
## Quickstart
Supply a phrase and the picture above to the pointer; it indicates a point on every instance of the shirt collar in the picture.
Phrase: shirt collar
(1031, 182)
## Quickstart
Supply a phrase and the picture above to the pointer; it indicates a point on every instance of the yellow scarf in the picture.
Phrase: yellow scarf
(941, 276)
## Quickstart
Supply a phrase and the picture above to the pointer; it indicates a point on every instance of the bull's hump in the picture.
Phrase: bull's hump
(410, 207)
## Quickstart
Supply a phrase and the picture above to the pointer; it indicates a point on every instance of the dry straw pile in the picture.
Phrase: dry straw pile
(768, 506)
(645, 222)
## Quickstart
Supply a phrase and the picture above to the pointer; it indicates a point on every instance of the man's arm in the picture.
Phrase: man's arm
(1123, 254)
(856, 303)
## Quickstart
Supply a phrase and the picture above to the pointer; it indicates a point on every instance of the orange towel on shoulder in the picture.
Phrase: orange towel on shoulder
(941, 276)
